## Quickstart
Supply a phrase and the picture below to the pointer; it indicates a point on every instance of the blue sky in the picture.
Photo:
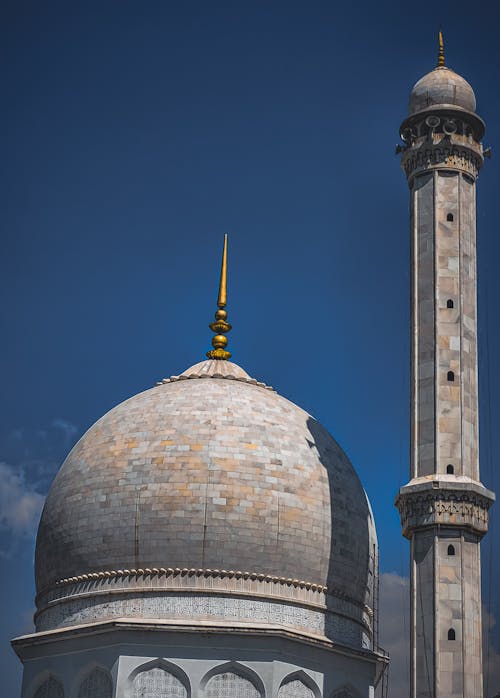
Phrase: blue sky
(134, 135)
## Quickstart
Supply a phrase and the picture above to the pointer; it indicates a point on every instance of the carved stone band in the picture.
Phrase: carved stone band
(203, 594)
(428, 157)
(421, 508)
(202, 580)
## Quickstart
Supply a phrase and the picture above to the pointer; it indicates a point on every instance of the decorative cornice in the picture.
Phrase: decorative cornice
(240, 379)
(202, 580)
(191, 572)
(443, 507)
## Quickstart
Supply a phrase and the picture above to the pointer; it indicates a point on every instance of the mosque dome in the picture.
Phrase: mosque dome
(208, 473)
(442, 87)
(209, 499)
(210, 470)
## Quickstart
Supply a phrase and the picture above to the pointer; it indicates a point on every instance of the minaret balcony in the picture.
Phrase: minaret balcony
(444, 500)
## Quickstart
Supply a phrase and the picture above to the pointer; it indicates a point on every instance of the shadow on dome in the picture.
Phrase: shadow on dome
(353, 545)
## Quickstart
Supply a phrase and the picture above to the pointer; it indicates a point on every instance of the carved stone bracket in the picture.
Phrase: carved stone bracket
(421, 508)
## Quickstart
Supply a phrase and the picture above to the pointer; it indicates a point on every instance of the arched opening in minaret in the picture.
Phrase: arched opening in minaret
(449, 303)
(450, 470)
(449, 217)
(451, 550)
(451, 634)
(451, 376)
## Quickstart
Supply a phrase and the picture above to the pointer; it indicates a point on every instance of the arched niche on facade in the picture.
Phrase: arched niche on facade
(298, 685)
(234, 679)
(95, 682)
(159, 677)
(48, 686)
(345, 691)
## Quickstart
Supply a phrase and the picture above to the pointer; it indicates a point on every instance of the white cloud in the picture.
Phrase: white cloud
(491, 657)
(20, 504)
(394, 613)
(38, 452)
(394, 630)
(491, 666)
(69, 430)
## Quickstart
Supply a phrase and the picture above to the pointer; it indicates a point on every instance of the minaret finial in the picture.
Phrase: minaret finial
(220, 326)
(441, 50)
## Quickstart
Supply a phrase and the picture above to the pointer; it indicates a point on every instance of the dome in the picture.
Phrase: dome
(442, 87)
(210, 474)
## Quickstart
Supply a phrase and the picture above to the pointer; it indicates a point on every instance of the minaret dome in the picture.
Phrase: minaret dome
(442, 87)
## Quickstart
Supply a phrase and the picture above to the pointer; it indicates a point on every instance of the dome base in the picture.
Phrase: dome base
(200, 596)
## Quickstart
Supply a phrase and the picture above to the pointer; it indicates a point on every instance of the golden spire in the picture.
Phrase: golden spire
(220, 326)
(441, 51)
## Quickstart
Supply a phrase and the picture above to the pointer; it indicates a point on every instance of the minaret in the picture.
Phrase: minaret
(444, 507)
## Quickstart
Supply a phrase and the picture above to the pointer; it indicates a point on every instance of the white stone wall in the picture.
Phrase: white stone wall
(156, 663)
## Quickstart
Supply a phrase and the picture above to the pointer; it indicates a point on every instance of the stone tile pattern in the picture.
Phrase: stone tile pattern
(231, 685)
(209, 473)
(295, 689)
(158, 682)
(345, 629)
(445, 414)
(423, 437)
(457, 417)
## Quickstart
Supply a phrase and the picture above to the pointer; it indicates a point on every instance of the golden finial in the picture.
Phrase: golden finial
(441, 50)
(220, 326)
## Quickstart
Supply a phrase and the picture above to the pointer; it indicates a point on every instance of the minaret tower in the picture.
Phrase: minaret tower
(444, 507)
